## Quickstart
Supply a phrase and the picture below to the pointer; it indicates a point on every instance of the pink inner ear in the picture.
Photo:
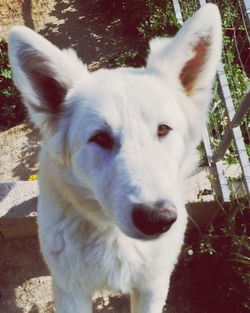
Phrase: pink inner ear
(193, 67)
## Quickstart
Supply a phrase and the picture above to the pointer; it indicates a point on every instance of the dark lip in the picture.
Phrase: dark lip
(144, 237)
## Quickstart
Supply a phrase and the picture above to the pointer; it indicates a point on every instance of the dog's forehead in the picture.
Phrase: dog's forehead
(128, 95)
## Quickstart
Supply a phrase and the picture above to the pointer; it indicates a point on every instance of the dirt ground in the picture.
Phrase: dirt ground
(19, 148)
(24, 278)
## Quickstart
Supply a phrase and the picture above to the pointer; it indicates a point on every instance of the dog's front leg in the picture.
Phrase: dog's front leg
(149, 301)
(75, 302)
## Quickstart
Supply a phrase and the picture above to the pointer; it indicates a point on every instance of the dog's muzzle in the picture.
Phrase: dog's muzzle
(153, 220)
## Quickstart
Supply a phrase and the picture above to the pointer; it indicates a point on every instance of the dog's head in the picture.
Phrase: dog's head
(126, 135)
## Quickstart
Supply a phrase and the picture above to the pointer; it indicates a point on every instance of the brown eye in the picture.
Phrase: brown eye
(163, 130)
(103, 139)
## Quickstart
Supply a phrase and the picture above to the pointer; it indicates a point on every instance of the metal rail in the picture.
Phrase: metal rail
(246, 4)
(233, 118)
(236, 131)
(228, 136)
(233, 130)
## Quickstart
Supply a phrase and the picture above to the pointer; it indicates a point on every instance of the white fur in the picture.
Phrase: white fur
(87, 234)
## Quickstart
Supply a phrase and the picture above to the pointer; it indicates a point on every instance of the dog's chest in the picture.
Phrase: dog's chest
(116, 263)
(100, 261)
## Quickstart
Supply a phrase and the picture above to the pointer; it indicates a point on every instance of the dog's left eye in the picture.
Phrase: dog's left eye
(103, 139)
(163, 130)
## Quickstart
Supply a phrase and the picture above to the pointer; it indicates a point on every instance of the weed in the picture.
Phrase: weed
(12, 110)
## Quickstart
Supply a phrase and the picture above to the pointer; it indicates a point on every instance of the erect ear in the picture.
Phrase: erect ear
(192, 56)
(43, 73)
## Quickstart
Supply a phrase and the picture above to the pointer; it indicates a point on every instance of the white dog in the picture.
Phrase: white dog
(117, 147)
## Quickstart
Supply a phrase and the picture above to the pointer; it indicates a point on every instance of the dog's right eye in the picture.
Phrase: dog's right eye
(103, 139)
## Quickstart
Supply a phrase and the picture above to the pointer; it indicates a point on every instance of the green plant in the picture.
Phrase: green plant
(204, 192)
(11, 109)
(188, 7)
(151, 18)
(160, 20)
(129, 58)
(219, 260)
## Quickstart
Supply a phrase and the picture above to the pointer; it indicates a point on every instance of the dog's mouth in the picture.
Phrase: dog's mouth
(143, 237)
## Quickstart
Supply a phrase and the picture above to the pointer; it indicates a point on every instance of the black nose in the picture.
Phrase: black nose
(152, 220)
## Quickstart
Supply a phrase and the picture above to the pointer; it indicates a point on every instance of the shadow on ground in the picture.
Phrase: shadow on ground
(98, 30)
(20, 263)
(28, 158)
